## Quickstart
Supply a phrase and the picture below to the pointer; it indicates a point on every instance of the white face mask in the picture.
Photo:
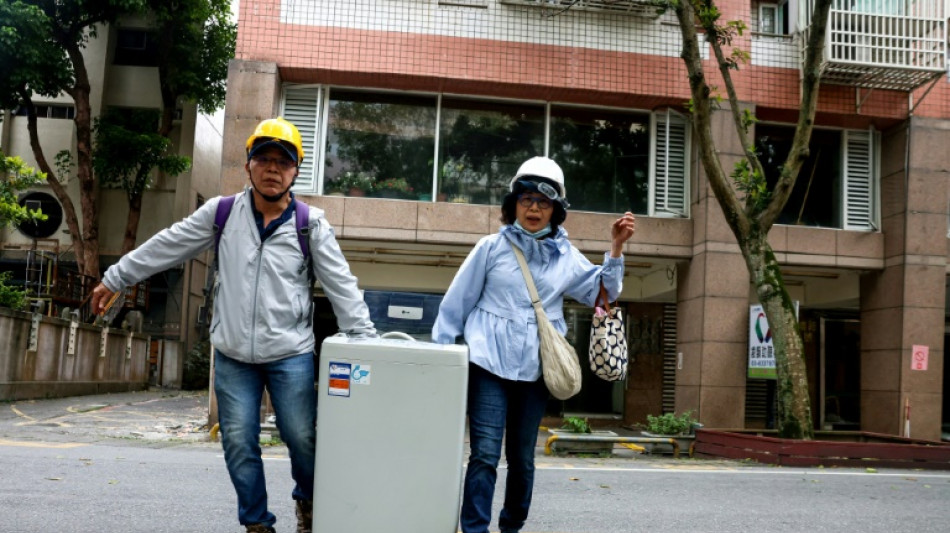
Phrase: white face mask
(543, 232)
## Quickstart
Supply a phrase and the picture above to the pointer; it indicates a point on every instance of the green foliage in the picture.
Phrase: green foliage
(753, 184)
(748, 119)
(16, 176)
(738, 56)
(11, 296)
(576, 424)
(394, 184)
(670, 424)
(196, 368)
(353, 179)
(35, 36)
(32, 59)
(196, 39)
(64, 165)
(128, 149)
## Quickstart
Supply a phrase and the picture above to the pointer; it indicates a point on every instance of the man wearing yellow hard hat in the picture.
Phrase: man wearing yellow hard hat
(269, 249)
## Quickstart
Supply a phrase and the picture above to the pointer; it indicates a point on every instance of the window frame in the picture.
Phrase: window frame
(315, 148)
(776, 19)
(145, 55)
(848, 174)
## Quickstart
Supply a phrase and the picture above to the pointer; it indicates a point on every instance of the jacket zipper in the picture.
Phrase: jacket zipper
(257, 286)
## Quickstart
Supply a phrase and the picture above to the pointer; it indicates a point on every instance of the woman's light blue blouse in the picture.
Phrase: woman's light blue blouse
(488, 302)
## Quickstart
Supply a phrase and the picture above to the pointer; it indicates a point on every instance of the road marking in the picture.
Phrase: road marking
(31, 421)
(54, 445)
(21, 414)
(266, 457)
(664, 469)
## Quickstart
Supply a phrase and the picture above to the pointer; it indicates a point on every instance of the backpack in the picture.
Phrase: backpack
(302, 218)
(221, 214)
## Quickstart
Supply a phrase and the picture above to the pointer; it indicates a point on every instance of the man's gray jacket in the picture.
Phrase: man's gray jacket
(262, 299)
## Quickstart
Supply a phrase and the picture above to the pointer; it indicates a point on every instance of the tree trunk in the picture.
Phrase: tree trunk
(793, 417)
(87, 181)
(69, 210)
(132, 223)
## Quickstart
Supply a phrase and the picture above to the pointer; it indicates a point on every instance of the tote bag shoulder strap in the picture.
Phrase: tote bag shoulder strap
(532, 290)
(601, 300)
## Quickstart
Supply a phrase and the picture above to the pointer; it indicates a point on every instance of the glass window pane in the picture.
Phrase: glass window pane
(816, 197)
(380, 145)
(767, 15)
(481, 146)
(605, 155)
(135, 47)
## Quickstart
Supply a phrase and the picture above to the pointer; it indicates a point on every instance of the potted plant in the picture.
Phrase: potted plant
(352, 183)
(393, 188)
(576, 429)
(458, 178)
(680, 427)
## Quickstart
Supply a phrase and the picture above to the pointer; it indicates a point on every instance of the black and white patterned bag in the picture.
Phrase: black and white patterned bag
(608, 342)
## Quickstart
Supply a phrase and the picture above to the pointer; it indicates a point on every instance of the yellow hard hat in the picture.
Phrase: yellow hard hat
(278, 131)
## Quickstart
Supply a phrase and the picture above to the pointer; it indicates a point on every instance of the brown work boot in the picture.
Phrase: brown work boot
(304, 516)
(259, 528)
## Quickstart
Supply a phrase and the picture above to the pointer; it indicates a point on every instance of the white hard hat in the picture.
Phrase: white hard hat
(541, 167)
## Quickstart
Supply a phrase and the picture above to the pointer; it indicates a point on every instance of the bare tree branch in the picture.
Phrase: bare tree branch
(702, 121)
(806, 116)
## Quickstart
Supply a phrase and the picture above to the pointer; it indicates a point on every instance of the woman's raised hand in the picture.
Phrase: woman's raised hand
(620, 232)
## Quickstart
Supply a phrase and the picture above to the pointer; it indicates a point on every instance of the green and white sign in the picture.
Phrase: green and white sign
(761, 350)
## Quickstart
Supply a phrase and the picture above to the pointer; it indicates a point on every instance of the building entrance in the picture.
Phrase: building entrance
(840, 375)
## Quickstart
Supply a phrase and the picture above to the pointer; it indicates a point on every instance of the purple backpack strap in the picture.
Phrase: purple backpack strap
(303, 227)
(302, 219)
(221, 215)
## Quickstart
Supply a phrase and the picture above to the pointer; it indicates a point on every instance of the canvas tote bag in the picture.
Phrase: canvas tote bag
(608, 341)
(559, 364)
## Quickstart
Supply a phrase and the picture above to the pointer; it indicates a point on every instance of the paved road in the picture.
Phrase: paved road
(142, 463)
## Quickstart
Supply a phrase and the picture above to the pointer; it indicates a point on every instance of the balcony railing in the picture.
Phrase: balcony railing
(884, 44)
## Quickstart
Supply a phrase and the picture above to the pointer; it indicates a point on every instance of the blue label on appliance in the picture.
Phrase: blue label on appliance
(339, 380)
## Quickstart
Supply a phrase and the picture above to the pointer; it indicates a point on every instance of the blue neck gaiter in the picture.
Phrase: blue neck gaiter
(541, 233)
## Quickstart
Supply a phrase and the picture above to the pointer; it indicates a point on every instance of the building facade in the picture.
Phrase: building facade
(415, 114)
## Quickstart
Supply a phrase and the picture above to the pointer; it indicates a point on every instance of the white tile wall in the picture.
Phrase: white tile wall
(609, 31)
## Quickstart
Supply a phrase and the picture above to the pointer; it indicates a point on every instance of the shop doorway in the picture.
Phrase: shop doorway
(840, 375)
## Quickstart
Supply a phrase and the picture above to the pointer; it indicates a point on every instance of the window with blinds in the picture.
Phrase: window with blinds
(837, 186)
(860, 205)
(614, 160)
(671, 161)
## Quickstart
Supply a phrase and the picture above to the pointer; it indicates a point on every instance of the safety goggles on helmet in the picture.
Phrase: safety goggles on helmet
(544, 188)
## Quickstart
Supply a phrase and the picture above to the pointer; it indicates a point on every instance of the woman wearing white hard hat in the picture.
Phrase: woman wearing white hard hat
(488, 304)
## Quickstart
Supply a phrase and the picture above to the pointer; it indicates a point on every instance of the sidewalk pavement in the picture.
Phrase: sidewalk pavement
(160, 418)
(152, 416)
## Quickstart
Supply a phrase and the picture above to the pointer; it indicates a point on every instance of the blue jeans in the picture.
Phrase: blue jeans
(239, 388)
(500, 408)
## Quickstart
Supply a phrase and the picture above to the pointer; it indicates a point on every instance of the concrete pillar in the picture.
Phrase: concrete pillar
(903, 306)
(713, 305)
(253, 95)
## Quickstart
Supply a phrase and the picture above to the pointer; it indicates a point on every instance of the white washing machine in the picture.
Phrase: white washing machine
(390, 432)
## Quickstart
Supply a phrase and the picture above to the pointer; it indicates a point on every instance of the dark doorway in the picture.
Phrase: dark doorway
(840, 378)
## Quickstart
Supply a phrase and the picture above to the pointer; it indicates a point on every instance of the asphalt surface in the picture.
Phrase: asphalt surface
(144, 462)
(149, 416)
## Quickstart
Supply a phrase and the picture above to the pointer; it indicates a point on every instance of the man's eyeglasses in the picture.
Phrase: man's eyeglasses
(282, 162)
(527, 201)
